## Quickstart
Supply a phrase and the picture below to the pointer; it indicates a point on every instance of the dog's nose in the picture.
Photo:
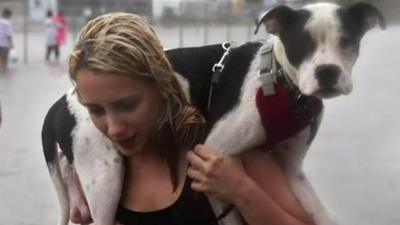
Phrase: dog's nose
(327, 75)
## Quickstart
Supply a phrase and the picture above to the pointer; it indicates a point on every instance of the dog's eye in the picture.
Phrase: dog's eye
(346, 42)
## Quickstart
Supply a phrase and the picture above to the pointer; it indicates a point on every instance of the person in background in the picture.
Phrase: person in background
(123, 78)
(59, 18)
(6, 42)
(51, 30)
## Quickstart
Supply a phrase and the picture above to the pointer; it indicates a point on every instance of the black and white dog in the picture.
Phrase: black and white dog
(268, 93)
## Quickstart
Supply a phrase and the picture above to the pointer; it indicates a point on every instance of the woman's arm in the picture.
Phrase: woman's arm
(259, 190)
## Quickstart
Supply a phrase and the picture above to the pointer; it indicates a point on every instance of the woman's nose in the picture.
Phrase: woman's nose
(116, 128)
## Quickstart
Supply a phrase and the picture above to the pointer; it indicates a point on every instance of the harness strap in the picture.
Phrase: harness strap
(267, 70)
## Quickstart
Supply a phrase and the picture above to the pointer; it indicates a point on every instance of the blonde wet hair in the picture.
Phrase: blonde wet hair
(125, 44)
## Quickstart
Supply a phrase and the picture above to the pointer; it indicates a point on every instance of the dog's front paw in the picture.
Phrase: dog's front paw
(80, 214)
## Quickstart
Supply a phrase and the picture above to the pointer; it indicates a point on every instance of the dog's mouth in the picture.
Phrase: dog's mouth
(326, 93)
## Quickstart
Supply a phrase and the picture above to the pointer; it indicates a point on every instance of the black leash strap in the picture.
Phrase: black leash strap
(217, 70)
(215, 79)
(226, 211)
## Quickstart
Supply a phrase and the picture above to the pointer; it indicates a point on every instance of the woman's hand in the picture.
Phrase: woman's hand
(215, 174)
(260, 191)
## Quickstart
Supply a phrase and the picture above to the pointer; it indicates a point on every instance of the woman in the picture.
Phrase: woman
(123, 78)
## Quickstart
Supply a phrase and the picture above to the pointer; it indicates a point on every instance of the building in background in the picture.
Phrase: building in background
(200, 10)
(97, 7)
(220, 10)
(38, 8)
(73, 8)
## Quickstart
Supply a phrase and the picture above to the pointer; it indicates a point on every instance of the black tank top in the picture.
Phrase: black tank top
(191, 208)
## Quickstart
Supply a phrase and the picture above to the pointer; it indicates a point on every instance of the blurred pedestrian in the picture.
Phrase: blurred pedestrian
(51, 28)
(6, 43)
(61, 36)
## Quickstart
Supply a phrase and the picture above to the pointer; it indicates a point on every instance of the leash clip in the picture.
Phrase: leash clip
(217, 71)
(219, 66)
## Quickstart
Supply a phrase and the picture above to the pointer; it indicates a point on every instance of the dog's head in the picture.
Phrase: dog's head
(318, 45)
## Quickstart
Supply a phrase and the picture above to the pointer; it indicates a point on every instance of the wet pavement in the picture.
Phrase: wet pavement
(354, 163)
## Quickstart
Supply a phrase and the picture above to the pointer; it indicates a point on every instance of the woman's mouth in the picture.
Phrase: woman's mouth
(127, 143)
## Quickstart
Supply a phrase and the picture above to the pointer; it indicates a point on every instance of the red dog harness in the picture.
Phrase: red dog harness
(280, 116)
(283, 109)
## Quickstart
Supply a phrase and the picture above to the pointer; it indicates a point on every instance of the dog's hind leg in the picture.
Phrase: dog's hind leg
(307, 196)
(100, 170)
(79, 210)
(102, 184)
(99, 166)
(49, 144)
(56, 177)
(291, 154)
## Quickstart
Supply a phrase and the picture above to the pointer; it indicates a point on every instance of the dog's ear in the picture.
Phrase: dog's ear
(276, 19)
(366, 16)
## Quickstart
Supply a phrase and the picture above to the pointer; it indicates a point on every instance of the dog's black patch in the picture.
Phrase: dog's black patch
(227, 93)
(195, 64)
(352, 30)
(57, 128)
(297, 41)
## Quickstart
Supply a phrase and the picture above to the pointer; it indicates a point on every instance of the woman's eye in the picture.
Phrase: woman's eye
(95, 110)
(127, 105)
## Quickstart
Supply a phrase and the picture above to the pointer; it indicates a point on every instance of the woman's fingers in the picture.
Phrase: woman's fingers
(199, 180)
(196, 175)
(198, 186)
(196, 161)
(215, 174)
(205, 152)
(206, 160)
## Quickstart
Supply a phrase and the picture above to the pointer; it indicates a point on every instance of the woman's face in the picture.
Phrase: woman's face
(122, 108)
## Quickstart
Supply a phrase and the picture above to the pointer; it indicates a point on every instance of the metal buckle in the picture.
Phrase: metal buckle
(219, 66)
